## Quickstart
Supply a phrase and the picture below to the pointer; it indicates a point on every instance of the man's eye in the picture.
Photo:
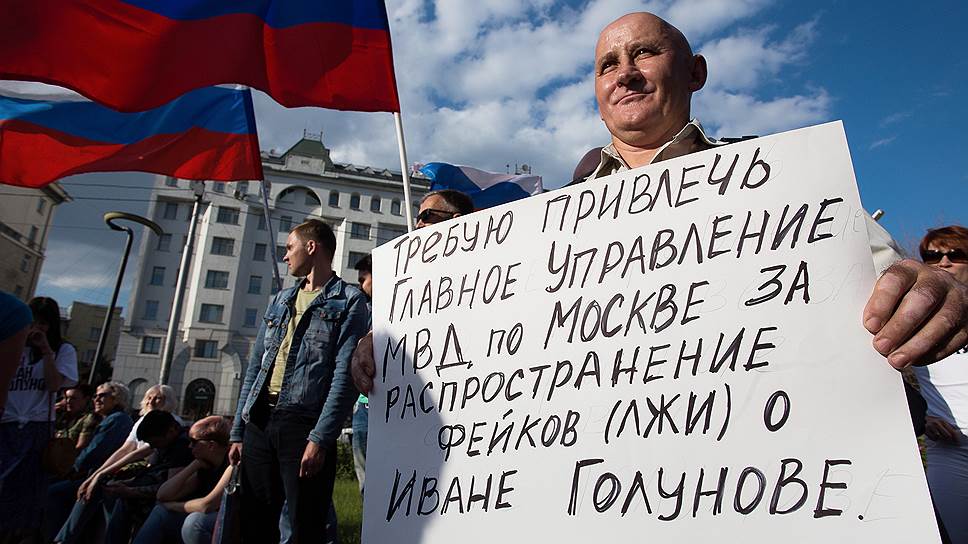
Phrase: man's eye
(606, 67)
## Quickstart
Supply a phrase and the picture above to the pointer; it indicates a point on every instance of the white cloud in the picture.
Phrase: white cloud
(894, 118)
(742, 115)
(882, 142)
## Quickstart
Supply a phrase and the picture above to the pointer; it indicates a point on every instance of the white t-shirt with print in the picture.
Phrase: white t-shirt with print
(133, 435)
(29, 399)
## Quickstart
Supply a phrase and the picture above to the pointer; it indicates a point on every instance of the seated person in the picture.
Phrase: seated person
(157, 397)
(188, 502)
(124, 499)
(75, 418)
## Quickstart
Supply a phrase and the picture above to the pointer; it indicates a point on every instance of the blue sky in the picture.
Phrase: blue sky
(496, 82)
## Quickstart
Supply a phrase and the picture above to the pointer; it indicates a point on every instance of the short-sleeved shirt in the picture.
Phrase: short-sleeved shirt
(303, 300)
(133, 435)
(207, 478)
(86, 424)
(29, 399)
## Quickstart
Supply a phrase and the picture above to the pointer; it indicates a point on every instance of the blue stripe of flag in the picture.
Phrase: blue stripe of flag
(369, 14)
(217, 109)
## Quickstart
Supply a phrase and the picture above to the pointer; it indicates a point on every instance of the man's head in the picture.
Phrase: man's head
(158, 428)
(76, 398)
(947, 249)
(439, 206)
(365, 268)
(310, 245)
(209, 439)
(111, 396)
(645, 74)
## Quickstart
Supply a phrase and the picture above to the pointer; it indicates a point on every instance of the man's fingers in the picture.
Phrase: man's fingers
(946, 347)
(888, 291)
(917, 307)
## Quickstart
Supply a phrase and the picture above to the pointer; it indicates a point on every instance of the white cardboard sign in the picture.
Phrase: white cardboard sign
(673, 353)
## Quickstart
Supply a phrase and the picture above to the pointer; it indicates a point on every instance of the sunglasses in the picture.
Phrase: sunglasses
(103, 395)
(428, 216)
(931, 256)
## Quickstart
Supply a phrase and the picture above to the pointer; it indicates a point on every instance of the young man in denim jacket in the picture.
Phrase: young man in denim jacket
(297, 392)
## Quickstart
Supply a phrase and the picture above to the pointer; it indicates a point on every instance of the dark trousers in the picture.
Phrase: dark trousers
(272, 450)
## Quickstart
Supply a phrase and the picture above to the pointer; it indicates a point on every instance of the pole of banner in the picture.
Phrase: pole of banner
(404, 170)
(272, 234)
(198, 188)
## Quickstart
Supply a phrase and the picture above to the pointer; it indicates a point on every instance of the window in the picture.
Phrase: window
(259, 252)
(171, 182)
(360, 231)
(94, 333)
(171, 210)
(280, 253)
(285, 223)
(151, 345)
(41, 205)
(311, 199)
(395, 207)
(157, 275)
(375, 204)
(227, 215)
(385, 232)
(356, 257)
(219, 187)
(89, 355)
(251, 317)
(34, 231)
(164, 242)
(211, 313)
(151, 310)
(242, 187)
(25, 263)
(217, 279)
(255, 285)
(334, 199)
(206, 349)
(262, 222)
(355, 201)
(223, 246)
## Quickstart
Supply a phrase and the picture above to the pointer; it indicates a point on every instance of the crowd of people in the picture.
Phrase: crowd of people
(75, 466)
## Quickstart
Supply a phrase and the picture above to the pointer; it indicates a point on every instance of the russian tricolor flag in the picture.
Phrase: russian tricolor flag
(207, 134)
(136, 55)
(486, 189)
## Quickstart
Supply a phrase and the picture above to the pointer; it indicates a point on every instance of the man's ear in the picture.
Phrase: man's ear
(311, 246)
(698, 74)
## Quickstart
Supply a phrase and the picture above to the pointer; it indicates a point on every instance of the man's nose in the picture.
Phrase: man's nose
(628, 73)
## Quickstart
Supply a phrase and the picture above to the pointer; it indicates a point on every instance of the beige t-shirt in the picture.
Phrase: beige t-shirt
(303, 300)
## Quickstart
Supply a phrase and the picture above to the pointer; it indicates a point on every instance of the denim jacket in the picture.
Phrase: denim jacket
(109, 436)
(317, 381)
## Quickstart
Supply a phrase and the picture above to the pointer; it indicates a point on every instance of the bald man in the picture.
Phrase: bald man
(645, 75)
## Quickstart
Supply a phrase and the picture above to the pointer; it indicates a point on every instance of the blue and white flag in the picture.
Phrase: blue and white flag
(486, 189)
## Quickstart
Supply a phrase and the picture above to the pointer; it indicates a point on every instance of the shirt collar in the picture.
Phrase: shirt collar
(691, 138)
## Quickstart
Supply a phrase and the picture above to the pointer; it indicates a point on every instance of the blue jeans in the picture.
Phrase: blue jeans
(360, 422)
(115, 512)
(198, 527)
(162, 525)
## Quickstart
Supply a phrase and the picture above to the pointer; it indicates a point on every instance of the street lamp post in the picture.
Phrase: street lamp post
(110, 219)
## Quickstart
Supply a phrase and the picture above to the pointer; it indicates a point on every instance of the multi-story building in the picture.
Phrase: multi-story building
(25, 218)
(82, 328)
(230, 278)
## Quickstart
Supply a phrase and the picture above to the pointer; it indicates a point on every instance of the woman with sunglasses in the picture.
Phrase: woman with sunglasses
(47, 363)
(944, 385)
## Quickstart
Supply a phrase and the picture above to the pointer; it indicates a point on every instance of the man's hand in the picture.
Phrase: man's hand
(312, 460)
(235, 453)
(940, 430)
(918, 314)
(362, 367)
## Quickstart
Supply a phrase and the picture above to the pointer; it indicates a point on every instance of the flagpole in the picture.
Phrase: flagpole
(404, 170)
(272, 234)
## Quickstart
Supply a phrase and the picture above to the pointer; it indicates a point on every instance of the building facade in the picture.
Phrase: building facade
(25, 219)
(230, 277)
(81, 327)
